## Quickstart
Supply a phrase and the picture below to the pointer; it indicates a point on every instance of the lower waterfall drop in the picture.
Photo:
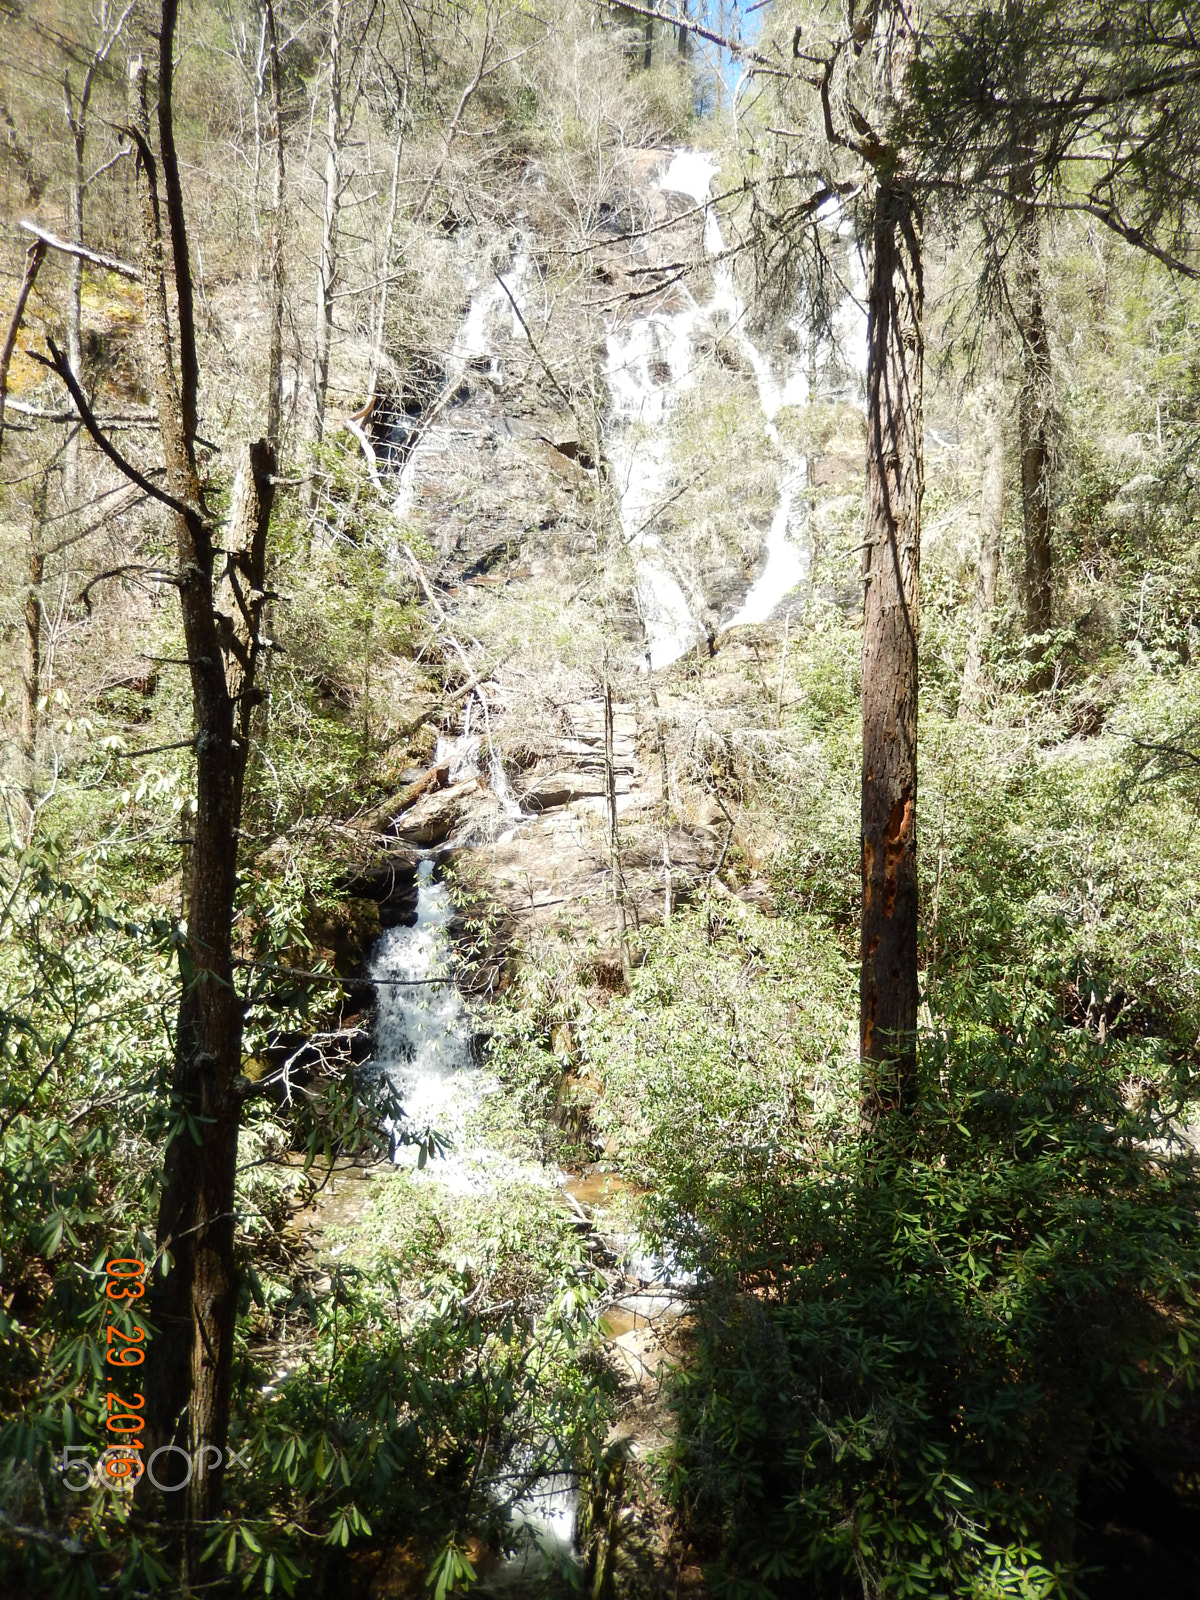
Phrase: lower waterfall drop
(423, 1046)
(422, 1033)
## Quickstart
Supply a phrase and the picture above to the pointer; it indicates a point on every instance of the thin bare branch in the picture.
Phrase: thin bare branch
(33, 261)
(62, 367)
(109, 263)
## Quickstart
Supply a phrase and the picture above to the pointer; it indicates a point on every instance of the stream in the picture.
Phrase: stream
(423, 1043)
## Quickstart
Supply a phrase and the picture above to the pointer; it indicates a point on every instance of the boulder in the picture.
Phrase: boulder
(435, 815)
(390, 884)
(560, 788)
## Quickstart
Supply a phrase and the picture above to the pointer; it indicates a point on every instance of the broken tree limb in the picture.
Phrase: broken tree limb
(109, 263)
(355, 426)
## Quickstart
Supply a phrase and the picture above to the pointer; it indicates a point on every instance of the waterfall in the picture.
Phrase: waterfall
(422, 1032)
(423, 1044)
(474, 342)
(649, 365)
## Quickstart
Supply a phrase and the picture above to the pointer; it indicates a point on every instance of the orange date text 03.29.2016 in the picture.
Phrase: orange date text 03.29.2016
(125, 1337)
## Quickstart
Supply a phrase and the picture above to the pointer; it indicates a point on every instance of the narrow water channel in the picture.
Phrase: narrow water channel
(423, 1044)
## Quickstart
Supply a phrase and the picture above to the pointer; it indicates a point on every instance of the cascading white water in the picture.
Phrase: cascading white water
(462, 755)
(422, 1033)
(649, 366)
(423, 1044)
(545, 1519)
(474, 341)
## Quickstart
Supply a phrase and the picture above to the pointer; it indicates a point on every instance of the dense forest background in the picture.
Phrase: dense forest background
(401, 410)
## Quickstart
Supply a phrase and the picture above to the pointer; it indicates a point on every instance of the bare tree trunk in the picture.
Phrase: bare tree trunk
(33, 260)
(991, 519)
(194, 1304)
(388, 240)
(666, 808)
(1034, 419)
(327, 266)
(895, 355)
(75, 275)
(276, 268)
(451, 133)
(31, 666)
(610, 782)
(75, 235)
(666, 823)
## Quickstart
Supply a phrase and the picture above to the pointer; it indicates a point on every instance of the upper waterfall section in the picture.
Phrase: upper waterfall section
(643, 356)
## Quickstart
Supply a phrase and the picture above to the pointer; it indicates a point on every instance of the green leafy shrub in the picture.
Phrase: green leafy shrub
(950, 1322)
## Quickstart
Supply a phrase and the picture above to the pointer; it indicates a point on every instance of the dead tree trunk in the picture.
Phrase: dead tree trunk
(664, 778)
(895, 355)
(31, 666)
(33, 260)
(75, 280)
(389, 236)
(327, 265)
(666, 822)
(991, 519)
(276, 267)
(75, 235)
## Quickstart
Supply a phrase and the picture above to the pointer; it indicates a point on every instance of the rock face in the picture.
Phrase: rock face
(435, 816)
(612, 467)
(578, 759)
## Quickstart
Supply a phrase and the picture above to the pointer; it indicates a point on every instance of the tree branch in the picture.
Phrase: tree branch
(721, 40)
(62, 367)
(85, 594)
(153, 750)
(33, 260)
(1158, 749)
(109, 263)
(533, 345)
